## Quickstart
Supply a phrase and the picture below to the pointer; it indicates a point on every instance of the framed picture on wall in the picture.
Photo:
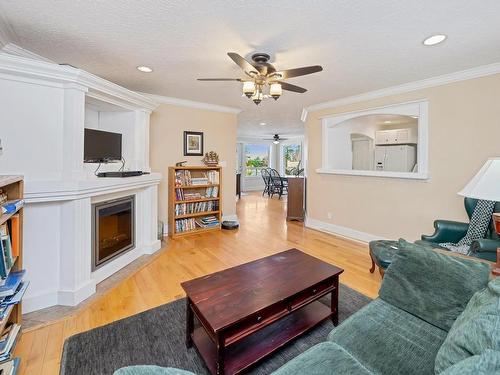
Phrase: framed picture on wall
(193, 143)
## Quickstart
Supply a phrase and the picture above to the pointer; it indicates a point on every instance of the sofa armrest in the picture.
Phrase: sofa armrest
(447, 231)
(485, 249)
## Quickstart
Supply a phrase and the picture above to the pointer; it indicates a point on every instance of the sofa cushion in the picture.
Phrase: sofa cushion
(432, 286)
(151, 370)
(325, 358)
(476, 330)
(487, 363)
(388, 340)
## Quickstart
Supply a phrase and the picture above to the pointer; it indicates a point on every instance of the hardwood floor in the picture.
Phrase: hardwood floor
(263, 231)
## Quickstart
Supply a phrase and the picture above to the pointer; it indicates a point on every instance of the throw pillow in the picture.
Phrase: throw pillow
(432, 286)
(476, 330)
(487, 363)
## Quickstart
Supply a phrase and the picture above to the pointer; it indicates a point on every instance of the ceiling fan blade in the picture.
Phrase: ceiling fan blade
(290, 73)
(243, 64)
(290, 87)
(219, 79)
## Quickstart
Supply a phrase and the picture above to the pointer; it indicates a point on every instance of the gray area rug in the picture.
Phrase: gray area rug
(156, 337)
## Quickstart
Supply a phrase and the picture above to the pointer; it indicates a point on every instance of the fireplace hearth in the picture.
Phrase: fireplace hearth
(113, 229)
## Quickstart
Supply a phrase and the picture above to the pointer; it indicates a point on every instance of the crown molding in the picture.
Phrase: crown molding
(15, 50)
(46, 73)
(191, 104)
(463, 75)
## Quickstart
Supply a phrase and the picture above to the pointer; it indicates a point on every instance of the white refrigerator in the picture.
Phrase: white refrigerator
(396, 158)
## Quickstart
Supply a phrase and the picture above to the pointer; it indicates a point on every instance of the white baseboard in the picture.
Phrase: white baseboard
(152, 247)
(39, 301)
(74, 297)
(341, 231)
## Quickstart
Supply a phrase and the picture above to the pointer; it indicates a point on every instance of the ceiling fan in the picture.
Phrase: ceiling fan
(276, 139)
(260, 73)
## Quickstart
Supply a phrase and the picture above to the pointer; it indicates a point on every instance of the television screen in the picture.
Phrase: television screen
(101, 147)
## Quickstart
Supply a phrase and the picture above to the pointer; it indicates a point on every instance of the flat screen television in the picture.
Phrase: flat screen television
(101, 147)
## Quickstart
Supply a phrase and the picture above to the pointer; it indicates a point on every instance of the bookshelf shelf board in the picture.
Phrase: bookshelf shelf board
(198, 168)
(5, 217)
(195, 186)
(195, 231)
(7, 180)
(195, 214)
(197, 200)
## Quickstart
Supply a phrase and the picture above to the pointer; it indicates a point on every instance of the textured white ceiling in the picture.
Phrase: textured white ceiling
(362, 45)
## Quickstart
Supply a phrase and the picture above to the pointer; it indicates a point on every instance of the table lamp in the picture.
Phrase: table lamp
(486, 185)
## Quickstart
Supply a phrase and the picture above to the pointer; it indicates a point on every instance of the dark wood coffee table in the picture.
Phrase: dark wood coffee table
(247, 312)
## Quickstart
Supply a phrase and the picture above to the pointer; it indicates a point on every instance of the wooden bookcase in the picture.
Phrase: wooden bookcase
(13, 186)
(173, 201)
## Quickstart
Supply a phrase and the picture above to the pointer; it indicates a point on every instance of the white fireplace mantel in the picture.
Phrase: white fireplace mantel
(45, 108)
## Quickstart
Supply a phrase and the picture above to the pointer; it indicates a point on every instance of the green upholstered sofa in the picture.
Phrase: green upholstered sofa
(454, 231)
(436, 314)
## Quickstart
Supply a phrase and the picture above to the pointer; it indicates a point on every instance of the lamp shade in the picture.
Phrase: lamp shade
(486, 183)
(275, 90)
(248, 88)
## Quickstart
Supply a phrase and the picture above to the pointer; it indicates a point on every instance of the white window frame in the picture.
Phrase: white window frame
(291, 141)
(418, 108)
(244, 155)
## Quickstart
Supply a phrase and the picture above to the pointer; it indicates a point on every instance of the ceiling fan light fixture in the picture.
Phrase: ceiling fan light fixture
(276, 142)
(257, 96)
(275, 90)
(248, 88)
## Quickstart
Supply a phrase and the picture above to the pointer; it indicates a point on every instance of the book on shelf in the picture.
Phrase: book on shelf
(12, 206)
(4, 314)
(8, 339)
(15, 298)
(207, 222)
(9, 367)
(184, 178)
(212, 192)
(14, 234)
(184, 225)
(192, 208)
(12, 283)
(7, 258)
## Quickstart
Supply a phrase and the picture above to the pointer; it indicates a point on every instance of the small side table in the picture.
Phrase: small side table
(496, 220)
(381, 253)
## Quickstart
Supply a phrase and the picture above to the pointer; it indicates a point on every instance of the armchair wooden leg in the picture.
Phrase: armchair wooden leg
(372, 269)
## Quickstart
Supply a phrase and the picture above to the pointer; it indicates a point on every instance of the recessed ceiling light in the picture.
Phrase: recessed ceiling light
(144, 69)
(262, 123)
(434, 39)
(387, 122)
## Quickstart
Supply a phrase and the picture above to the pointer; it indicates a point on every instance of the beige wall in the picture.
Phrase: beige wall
(168, 122)
(464, 130)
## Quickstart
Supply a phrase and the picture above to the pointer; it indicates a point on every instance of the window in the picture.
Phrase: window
(388, 141)
(256, 158)
(291, 159)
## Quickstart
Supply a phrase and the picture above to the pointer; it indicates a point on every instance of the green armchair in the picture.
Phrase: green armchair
(453, 231)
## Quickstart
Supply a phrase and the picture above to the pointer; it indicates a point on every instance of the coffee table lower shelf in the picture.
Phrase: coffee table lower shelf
(244, 353)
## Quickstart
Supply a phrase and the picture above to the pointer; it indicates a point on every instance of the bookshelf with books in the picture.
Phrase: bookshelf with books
(12, 283)
(194, 202)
